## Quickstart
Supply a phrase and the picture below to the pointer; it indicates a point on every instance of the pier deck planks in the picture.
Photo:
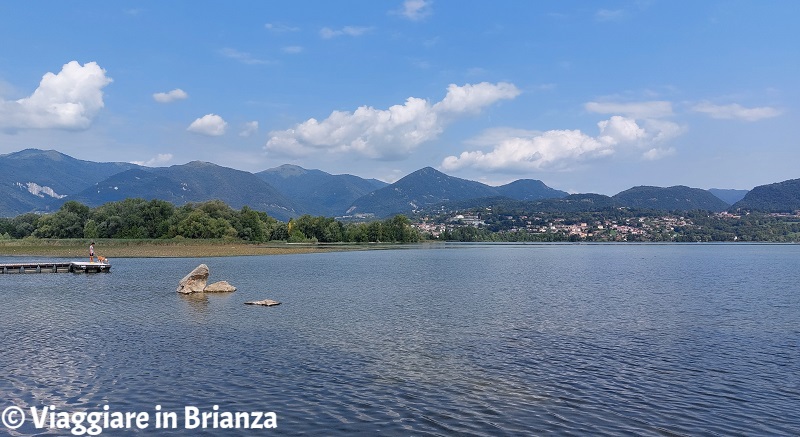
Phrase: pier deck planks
(54, 267)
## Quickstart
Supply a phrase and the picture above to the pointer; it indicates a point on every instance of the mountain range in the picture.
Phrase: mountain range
(35, 180)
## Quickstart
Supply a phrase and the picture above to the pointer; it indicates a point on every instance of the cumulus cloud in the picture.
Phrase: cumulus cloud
(547, 150)
(328, 33)
(555, 149)
(171, 96)
(662, 130)
(386, 133)
(161, 158)
(736, 111)
(67, 100)
(416, 10)
(250, 128)
(471, 98)
(651, 109)
(211, 124)
(619, 129)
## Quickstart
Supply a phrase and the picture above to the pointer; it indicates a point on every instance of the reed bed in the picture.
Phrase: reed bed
(173, 248)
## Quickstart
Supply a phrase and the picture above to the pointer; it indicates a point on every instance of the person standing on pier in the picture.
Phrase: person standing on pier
(91, 252)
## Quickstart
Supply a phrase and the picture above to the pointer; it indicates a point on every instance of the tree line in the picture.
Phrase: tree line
(159, 219)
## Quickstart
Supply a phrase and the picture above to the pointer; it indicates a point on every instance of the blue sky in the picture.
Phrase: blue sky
(588, 96)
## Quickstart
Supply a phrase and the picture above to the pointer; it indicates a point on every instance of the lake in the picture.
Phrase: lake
(446, 339)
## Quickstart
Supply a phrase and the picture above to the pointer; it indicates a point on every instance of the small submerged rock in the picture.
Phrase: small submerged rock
(265, 302)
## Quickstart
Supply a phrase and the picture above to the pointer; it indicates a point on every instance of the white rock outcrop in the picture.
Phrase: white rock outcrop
(219, 287)
(195, 281)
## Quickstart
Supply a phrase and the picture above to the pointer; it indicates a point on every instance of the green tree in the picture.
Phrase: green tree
(251, 227)
(67, 222)
(90, 229)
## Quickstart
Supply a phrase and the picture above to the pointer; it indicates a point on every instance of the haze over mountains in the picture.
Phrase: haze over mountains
(35, 180)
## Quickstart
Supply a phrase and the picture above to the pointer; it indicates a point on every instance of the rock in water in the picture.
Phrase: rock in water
(219, 287)
(265, 302)
(195, 281)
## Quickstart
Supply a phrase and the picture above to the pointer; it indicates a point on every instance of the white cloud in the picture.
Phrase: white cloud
(67, 100)
(651, 109)
(493, 136)
(328, 33)
(161, 158)
(662, 130)
(416, 10)
(736, 111)
(250, 128)
(471, 98)
(553, 149)
(171, 96)
(243, 57)
(658, 153)
(210, 124)
(619, 129)
(386, 133)
(549, 150)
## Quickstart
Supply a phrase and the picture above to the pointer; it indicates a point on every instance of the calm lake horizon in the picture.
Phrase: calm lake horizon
(445, 339)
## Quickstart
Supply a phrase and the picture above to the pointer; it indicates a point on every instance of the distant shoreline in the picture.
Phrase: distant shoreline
(118, 248)
(172, 248)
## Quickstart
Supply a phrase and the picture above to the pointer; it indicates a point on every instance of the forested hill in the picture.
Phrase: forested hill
(778, 197)
(677, 198)
(317, 192)
(428, 187)
(193, 182)
(529, 189)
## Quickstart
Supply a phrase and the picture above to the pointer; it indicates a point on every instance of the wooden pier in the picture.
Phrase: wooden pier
(55, 267)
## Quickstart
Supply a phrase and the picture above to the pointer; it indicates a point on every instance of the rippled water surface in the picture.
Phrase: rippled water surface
(456, 339)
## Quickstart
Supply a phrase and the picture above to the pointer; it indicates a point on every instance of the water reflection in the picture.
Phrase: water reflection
(197, 303)
(482, 340)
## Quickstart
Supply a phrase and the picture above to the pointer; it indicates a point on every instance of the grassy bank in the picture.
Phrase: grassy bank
(113, 248)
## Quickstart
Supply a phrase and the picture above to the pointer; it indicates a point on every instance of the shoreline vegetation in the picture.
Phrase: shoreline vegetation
(172, 248)
(156, 228)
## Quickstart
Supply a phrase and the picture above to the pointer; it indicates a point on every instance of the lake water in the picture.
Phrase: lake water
(621, 339)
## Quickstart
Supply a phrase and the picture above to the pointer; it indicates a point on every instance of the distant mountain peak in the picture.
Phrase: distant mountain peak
(52, 155)
(428, 187)
(287, 170)
(197, 164)
(428, 171)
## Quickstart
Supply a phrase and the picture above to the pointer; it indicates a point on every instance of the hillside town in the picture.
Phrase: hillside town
(620, 225)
